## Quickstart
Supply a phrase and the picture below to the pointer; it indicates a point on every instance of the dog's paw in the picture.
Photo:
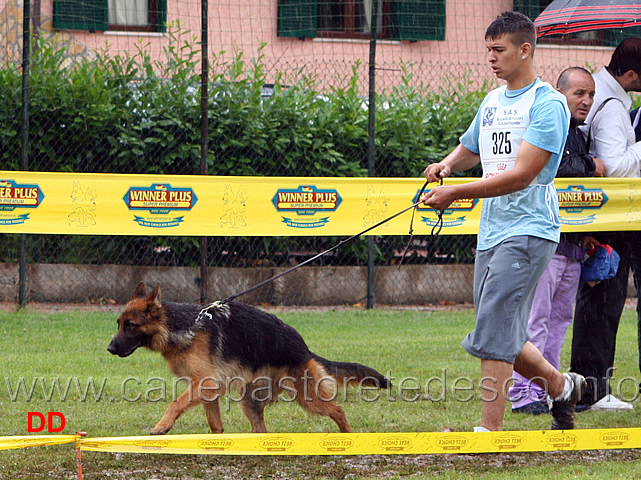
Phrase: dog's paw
(158, 430)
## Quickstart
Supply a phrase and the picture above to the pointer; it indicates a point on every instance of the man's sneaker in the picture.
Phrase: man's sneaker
(480, 429)
(563, 408)
(610, 403)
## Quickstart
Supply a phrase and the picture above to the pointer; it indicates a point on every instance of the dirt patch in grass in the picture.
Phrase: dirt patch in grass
(165, 467)
(108, 306)
(116, 308)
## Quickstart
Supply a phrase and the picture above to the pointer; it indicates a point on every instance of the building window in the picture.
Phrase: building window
(609, 37)
(351, 18)
(397, 19)
(101, 15)
(137, 15)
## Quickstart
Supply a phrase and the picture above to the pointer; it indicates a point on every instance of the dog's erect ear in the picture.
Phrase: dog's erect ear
(140, 291)
(154, 296)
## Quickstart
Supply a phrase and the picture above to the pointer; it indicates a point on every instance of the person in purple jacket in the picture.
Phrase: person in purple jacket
(555, 297)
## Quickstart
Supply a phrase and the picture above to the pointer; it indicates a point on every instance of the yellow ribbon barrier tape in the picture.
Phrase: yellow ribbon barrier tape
(204, 205)
(8, 443)
(371, 443)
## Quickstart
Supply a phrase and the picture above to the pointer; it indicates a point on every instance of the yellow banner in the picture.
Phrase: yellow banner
(371, 443)
(8, 443)
(109, 204)
(403, 443)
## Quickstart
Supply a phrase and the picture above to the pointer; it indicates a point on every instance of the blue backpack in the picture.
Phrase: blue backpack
(602, 264)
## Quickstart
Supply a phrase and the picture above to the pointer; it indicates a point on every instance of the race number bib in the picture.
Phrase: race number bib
(502, 131)
(499, 149)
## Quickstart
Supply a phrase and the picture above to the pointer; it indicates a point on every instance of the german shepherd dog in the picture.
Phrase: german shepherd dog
(228, 345)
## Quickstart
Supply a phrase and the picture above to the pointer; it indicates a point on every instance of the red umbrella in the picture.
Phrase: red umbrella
(562, 17)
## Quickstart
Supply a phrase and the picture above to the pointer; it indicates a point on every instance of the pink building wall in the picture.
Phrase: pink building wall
(242, 25)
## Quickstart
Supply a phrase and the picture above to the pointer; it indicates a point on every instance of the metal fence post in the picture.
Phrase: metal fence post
(24, 160)
(204, 139)
(371, 147)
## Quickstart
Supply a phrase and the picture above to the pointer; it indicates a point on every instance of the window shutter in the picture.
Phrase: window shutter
(161, 16)
(531, 8)
(80, 14)
(612, 37)
(297, 18)
(417, 19)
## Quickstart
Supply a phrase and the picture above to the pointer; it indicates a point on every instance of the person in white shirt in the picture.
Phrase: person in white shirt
(598, 309)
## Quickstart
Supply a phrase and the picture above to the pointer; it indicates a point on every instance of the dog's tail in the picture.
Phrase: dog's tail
(346, 372)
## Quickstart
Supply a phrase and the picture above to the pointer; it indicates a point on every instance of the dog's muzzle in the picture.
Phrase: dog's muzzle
(116, 347)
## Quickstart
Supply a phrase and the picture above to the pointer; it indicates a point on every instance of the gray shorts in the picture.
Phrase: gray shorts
(505, 279)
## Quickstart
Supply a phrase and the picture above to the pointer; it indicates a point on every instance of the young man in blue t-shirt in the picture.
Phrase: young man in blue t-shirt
(518, 135)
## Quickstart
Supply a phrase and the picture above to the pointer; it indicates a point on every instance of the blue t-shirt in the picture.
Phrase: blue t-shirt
(534, 210)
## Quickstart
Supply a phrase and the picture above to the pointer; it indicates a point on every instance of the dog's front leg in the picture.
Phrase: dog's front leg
(212, 411)
(184, 402)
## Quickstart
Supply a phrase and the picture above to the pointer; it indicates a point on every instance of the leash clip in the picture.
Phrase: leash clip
(205, 311)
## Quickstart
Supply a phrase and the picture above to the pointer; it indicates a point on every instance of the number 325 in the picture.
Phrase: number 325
(502, 145)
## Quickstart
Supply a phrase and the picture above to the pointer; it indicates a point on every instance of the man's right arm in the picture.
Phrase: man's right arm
(463, 157)
(599, 168)
(459, 159)
(610, 131)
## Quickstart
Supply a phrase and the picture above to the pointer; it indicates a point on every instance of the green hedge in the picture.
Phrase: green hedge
(131, 115)
(122, 114)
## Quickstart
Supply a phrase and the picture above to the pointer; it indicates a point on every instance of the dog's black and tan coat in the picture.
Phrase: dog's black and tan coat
(236, 345)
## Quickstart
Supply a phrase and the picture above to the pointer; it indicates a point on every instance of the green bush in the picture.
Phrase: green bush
(129, 114)
(132, 115)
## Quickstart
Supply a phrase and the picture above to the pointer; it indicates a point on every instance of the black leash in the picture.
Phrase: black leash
(435, 231)
(436, 228)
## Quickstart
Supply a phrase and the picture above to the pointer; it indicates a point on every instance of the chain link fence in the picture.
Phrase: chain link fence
(123, 111)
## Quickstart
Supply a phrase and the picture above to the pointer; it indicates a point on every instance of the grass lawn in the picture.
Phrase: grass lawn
(58, 362)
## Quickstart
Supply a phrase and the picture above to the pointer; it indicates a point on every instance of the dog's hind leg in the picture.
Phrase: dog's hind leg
(184, 402)
(316, 406)
(212, 411)
(315, 395)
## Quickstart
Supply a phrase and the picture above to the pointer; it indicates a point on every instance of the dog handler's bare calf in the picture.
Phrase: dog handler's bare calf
(234, 346)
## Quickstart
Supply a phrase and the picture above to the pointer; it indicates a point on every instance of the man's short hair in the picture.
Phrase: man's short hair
(518, 26)
(562, 83)
(627, 56)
